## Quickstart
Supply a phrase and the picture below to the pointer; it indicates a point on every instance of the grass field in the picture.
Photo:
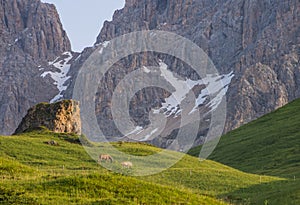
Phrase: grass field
(264, 155)
(267, 146)
(33, 172)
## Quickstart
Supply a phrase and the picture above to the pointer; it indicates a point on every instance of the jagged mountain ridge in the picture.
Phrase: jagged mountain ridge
(256, 40)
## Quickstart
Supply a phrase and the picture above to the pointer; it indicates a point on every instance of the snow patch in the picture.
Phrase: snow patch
(40, 68)
(103, 45)
(79, 56)
(149, 135)
(216, 85)
(182, 88)
(146, 70)
(137, 130)
(52, 62)
(59, 77)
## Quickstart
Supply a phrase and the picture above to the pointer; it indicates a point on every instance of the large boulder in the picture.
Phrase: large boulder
(60, 117)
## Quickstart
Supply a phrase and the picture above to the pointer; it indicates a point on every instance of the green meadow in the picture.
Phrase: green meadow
(268, 146)
(255, 164)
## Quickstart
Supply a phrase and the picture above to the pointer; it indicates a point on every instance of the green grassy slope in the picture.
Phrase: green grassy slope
(33, 172)
(268, 146)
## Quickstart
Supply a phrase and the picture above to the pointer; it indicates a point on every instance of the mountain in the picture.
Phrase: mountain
(31, 35)
(254, 45)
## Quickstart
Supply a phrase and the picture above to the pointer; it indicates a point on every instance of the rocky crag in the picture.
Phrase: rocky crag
(60, 117)
(31, 35)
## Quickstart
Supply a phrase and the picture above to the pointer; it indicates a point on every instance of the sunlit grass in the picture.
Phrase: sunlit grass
(33, 172)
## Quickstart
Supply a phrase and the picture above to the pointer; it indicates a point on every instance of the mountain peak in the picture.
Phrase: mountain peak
(35, 28)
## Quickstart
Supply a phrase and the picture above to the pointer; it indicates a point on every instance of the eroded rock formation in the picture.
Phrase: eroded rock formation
(60, 117)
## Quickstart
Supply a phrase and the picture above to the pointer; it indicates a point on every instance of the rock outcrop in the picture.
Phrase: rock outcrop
(60, 117)
(31, 35)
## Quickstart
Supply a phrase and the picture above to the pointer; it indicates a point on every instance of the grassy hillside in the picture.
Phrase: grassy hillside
(267, 146)
(33, 172)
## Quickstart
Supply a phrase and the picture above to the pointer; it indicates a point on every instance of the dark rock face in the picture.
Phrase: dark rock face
(60, 117)
(31, 35)
(34, 27)
(259, 41)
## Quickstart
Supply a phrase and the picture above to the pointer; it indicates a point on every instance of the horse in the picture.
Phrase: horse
(53, 143)
(126, 164)
(105, 157)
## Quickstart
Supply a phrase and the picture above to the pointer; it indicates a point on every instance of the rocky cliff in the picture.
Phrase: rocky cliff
(31, 35)
(60, 117)
(255, 46)
(258, 41)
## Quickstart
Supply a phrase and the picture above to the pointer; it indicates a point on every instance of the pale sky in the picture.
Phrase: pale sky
(83, 19)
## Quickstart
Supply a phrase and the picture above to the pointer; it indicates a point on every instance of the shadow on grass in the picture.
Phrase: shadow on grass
(272, 193)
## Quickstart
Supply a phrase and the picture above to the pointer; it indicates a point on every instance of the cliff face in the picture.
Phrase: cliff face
(32, 27)
(254, 44)
(259, 41)
(60, 117)
(31, 35)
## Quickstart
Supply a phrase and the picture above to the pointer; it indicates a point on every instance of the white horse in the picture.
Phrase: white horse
(126, 164)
